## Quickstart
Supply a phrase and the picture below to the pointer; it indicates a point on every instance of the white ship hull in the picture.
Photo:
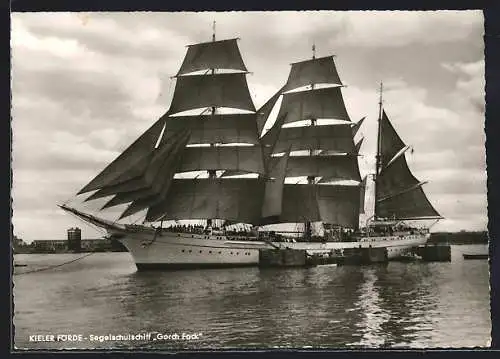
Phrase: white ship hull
(171, 250)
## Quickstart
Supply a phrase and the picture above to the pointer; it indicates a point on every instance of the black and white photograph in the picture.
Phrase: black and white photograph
(249, 180)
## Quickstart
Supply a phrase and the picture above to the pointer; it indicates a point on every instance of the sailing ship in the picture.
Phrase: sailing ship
(209, 161)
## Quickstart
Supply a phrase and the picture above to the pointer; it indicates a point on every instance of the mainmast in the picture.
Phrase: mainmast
(378, 155)
(321, 142)
(310, 179)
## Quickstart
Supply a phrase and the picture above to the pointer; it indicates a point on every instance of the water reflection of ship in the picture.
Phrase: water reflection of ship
(406, 297)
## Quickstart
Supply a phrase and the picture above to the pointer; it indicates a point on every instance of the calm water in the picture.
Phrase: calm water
(398, 305)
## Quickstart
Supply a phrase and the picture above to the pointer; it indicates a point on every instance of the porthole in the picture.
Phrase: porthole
(183, 251)
(220, 252)
(210, 252)
(231, 252)
(237, 253)
(190, 250)
(200, 251)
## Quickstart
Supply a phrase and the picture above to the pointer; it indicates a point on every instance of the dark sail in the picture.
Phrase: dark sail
(357, 126)
(130, 163)
(323, 103)
(238, 200)
(219, 90)
(395, 178)
(299, 204)
(399, 194)
(318, 149)
(315, 71)
(333, 204)
(224, 128)
(335, 138)
(152, 168)
(339, 205)
(144, 175)
(264, 112)
(341, 167)
(273, 195)
(390, 142)
(223, 54)
(412, 204)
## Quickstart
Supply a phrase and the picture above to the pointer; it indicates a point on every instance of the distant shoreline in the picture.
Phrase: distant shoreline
(463, 237)
(32, 251)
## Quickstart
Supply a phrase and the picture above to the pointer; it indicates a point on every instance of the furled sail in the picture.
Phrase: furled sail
(211, 90)
(223, 54)
(315, 71)
(399, 194)
(323, 103)
(237, 200)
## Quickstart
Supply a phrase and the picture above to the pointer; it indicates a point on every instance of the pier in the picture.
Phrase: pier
(434, 253)
(282, 258)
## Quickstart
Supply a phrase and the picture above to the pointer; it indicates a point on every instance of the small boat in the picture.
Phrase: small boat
(475, 256)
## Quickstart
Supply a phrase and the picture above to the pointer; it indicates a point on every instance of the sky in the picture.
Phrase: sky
(86, 85)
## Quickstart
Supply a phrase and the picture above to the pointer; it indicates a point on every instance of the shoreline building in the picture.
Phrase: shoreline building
(75, 239)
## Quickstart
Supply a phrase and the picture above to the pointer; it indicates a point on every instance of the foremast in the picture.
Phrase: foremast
(162, 171)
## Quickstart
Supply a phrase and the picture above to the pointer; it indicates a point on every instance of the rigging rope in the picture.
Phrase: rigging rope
(91, 225)
(55, 266)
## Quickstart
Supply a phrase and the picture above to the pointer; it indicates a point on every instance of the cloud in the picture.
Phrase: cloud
(398, 28)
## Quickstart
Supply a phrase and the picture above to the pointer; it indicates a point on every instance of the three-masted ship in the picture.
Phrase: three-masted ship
(208, 161)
